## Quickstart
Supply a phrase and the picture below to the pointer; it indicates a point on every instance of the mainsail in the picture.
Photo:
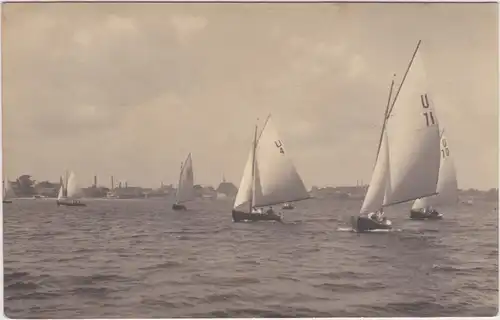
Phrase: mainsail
(186, 182)
(409, 154)
(274, 178)
(73, 190)
(447, 187)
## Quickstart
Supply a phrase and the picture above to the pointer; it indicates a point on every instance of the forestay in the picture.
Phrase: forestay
(447, 187)
(186, 182)
(413, 139)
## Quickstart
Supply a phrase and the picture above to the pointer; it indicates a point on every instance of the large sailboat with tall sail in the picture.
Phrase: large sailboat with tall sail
(447, 188)
(69, 192)
(185, 190)
(408, 157)
(269, 178)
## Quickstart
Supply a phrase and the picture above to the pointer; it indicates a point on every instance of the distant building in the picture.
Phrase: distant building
(126, 192)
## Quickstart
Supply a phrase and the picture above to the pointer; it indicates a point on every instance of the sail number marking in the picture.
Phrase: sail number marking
(279, 145)
(429, 116)
(445, 152)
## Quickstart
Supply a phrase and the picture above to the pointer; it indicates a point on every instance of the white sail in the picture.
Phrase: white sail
(447, 187)
(375, 195)
(413, 137)
(61, 189)
(73, 190)
(185, 191)
(279, 180)
(61, 193)
(8, 191)
(245, 190)
(275, 179)
(249, 188)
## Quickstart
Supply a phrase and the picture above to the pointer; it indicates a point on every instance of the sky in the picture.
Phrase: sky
(128, 89)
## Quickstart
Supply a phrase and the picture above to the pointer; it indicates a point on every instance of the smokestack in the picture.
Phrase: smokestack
(95, 181)
(119, 185)
(112, 183)
(126, 184)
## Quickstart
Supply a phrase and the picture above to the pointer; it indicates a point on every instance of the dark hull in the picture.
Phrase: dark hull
(288, 207)
(420, 215)
(239, 216)
(71, 204)
(179, 207)
(7, 201)
(363, 224)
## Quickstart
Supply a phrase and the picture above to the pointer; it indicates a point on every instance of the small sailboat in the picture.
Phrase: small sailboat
(185, 191)
(69, 192)
(408, 157)
(288, 206)
(447, 188)
(7, 192)
(269, 178)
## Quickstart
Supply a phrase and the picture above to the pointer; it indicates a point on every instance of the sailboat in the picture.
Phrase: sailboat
(408, 157)
(269, 178)
(7, 192)
(288, 206)
(185, 191)
(69, 192)
(447, 188)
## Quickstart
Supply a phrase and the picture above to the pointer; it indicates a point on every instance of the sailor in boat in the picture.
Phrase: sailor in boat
(377, 216)
(270, 210)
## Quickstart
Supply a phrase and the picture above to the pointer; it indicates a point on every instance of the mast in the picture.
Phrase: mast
(65, 190)
(253, 170)
(386, 116)
(404, 77)
(265, 123)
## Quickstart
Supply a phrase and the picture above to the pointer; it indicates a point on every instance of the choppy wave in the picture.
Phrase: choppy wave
(139, 259)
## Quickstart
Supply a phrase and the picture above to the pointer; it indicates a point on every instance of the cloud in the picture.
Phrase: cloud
(186, 26)
(155, 81)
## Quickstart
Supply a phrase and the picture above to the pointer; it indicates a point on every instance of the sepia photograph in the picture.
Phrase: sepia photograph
(250, 160)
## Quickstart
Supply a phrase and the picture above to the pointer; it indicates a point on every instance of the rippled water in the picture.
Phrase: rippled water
(137, 258)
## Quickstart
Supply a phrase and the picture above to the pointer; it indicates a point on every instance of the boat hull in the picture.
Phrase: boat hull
(6, 201)
(363, 224)
(179, 207)
(70, 204)
(288, 207)
(421, 215)
(239, 216)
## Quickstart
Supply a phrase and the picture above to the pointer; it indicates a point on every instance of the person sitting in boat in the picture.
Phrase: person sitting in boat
(270, 210)
(377, 216)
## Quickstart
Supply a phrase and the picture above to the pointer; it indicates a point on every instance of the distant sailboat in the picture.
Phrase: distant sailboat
(269, 178)
(447, 188)
(7, 192)
(288, 206)
(185, 191)
(408, 159)
(69, 192)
